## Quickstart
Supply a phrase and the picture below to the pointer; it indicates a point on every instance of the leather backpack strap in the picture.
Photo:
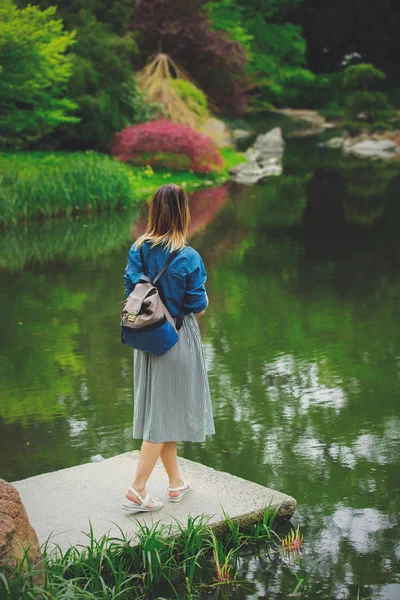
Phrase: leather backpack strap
(144, 266)
(166, 265)
(163, 268)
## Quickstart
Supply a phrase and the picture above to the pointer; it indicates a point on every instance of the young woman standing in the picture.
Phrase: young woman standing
(172, 400)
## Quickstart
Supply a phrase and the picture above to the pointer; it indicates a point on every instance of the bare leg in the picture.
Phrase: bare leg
(148, 456)
(170, 461)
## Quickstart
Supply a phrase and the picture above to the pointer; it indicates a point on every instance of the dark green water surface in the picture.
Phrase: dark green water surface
(302, 343)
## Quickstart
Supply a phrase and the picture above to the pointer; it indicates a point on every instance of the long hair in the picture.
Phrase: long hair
(168, 219)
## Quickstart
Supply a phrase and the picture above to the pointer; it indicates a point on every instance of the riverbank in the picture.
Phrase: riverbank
(192, 545)
(38, 185)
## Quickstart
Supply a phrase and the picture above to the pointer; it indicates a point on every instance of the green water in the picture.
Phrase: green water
(302, 343)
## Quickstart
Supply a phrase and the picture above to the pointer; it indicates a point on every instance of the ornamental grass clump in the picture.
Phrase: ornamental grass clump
(165, 84)
(163, 143)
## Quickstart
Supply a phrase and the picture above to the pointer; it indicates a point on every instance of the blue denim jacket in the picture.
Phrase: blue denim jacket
(183, 283)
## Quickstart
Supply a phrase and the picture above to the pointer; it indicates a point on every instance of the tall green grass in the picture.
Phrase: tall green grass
(37, 185)
(163, 561)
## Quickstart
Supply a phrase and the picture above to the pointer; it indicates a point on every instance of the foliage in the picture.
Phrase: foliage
(103, 86)
(183, 30)
(180, 100)
(42, 184)
(363, 77)
(102, 82)
(192, 96)
(227, 16)
(167, 137)
(276, 49)
(365, 108)
(163, 559)
(48, 185)
(34, 72)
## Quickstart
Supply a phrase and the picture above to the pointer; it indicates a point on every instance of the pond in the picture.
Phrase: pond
(302, 343)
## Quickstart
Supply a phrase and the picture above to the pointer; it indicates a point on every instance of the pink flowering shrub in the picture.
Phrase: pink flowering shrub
(159, 139)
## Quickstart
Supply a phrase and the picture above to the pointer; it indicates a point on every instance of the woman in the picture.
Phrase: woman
(172, 395)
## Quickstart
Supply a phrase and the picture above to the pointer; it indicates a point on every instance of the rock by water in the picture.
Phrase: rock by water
(336, 142)
(240, 134)
(372, 148)
(264, 159)
(16, 533)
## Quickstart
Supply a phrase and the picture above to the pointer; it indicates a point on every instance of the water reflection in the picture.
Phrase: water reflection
(302, 345)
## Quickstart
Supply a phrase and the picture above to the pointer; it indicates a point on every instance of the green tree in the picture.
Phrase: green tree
(34, 72)
(276, 48)
(102, 82)
(365, 106)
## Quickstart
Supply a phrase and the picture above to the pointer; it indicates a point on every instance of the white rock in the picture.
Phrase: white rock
(373, 149)
(96, 458)
(270, 143)
(251, 172)
(264, 159)
(336, 142)
(240, 134)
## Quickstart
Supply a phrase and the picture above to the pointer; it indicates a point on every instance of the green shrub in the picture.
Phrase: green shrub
(362, 77)
(192, 96)
(365, 104)
(34, 72)
(381, 126)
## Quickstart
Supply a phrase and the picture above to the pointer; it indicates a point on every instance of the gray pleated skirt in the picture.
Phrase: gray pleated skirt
(172, 400)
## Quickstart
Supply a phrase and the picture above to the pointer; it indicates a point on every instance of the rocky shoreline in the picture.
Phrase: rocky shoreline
(264, 159)
(385, 146)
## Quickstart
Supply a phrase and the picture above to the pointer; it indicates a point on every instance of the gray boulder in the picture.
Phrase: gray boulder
(251, 172)
(372, 148)
(241, 134)
(264, 159)
(269, 144)
(336, 142)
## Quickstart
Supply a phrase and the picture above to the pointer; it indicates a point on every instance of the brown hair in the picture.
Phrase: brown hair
(168, 218)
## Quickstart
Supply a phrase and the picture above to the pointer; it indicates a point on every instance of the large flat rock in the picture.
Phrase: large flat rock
(60, 504)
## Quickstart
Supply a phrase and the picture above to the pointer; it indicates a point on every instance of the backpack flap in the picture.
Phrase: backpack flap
(143, 307)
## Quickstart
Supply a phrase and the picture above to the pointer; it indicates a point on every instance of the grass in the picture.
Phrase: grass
(36, 185)
(165, 561)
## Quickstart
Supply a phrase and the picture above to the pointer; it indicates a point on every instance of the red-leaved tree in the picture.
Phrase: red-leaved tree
(167, 138)
(183, 30)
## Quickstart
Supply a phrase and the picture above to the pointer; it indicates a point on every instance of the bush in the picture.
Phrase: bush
(34, 72)
(362, 77)
(365, 107)
(192, 96)
(166, 137)
(183, 29)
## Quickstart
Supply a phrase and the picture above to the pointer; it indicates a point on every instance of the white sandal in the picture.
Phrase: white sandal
(133, 506)
(183, 489)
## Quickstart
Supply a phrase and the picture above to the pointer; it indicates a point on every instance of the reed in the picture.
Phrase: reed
(163, 561)
(39, 185)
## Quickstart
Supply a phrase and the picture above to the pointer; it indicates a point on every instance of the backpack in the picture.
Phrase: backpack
(146, 323)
